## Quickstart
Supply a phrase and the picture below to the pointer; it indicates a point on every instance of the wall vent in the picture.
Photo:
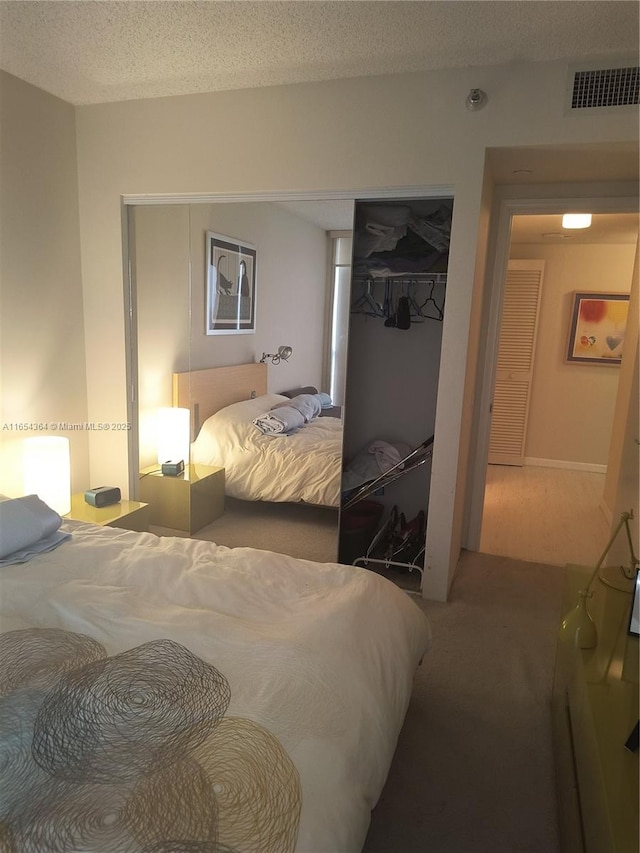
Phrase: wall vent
(605, 87)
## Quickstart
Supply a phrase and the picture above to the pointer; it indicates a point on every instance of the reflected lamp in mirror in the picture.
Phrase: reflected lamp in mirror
(46, 471)
(283, 354)
(173, 434)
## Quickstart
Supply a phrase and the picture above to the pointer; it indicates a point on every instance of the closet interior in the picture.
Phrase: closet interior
(398, 289)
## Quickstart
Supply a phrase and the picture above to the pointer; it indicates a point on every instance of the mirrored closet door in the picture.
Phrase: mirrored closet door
(299, 274)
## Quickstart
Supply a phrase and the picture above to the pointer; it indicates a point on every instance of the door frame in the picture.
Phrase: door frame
(496, 275)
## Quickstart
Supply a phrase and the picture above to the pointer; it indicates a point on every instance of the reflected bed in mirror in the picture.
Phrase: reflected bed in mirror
(303, 466)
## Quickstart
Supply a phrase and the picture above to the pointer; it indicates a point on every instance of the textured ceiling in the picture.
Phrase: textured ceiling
(93, 51)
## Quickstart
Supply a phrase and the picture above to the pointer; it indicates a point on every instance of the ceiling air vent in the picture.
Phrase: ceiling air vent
(605, 87)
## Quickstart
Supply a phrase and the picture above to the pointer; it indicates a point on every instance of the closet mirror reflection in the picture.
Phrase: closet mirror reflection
(301, 300)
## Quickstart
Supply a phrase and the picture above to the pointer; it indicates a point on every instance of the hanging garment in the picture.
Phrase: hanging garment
(403, 314)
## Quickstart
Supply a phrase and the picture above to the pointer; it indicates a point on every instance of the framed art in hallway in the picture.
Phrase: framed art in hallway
(596, 332)
(231, 286)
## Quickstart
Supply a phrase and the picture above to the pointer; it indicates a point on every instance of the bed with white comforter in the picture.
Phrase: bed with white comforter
(162, 695)
(304, 466)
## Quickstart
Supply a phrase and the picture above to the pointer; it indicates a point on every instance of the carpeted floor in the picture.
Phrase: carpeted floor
(473, 771)
(300, 530)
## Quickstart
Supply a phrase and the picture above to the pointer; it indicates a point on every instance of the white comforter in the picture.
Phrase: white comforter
(319, 659)
(305, 466)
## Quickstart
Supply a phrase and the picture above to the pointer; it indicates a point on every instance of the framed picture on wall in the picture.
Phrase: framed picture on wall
(231, 286)
(596, 333)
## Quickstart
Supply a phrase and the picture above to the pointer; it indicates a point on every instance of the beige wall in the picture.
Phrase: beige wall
(364, 135)
(42, 365)
(291, 278)
(572, 405)
(170, 273)
(623, 473)
(161, 256)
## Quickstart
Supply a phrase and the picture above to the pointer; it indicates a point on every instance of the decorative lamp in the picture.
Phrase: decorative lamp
(577, 625)
(173, 426)
(46, 471)
(283, 354)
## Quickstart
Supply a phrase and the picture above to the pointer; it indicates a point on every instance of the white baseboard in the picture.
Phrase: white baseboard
(570, 466)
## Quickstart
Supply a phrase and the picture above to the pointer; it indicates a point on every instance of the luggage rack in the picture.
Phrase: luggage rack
(410, 462)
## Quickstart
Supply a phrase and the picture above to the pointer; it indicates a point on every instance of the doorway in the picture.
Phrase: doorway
(547, 506)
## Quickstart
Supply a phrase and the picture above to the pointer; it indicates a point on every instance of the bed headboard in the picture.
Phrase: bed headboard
(205, 392)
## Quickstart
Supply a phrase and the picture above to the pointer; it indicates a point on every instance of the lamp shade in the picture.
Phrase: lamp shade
(46, 471)
(173, 426)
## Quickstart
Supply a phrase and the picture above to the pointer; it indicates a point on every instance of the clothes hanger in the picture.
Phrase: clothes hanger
(366, 304)
(432, 301)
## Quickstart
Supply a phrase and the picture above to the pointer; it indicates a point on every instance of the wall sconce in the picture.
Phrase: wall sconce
(46, 471)
(476, 100)
(173, 434)
(283, 354)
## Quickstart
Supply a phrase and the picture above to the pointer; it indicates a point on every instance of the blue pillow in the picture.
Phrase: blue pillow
(28, 527)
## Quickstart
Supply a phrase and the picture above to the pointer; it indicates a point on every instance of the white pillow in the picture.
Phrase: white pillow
(246, 410)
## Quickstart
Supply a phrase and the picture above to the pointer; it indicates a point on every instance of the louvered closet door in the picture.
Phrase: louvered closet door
(516, 350)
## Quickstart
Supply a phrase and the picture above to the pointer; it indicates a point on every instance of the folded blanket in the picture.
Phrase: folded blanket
(325, 400)
(386, 454)
(28, 527)
(308, 405)
(372, 461)
(282, 421)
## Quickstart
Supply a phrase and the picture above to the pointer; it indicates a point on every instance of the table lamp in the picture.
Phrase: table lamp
(46, 471)
(577, 625)
(173, 434)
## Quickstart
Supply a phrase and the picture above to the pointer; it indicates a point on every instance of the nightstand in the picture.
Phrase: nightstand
(186, 502)
(130, 515)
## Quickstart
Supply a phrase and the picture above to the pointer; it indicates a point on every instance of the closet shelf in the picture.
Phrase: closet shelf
(401, 278)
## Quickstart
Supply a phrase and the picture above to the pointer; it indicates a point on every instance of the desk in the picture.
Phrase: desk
(595, 706)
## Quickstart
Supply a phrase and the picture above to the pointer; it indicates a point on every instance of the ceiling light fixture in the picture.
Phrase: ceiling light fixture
(476, 100)
(576, 220)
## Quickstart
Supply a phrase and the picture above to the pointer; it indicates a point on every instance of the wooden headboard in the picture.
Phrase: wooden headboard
(205, 392)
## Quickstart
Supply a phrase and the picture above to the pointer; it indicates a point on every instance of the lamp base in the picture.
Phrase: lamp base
(578, 628)
(614, 577)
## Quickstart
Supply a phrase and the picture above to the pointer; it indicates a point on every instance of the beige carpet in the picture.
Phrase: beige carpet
(300, 530)
(473, 771)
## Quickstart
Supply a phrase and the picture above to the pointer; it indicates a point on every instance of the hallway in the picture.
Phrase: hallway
(545, 515)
